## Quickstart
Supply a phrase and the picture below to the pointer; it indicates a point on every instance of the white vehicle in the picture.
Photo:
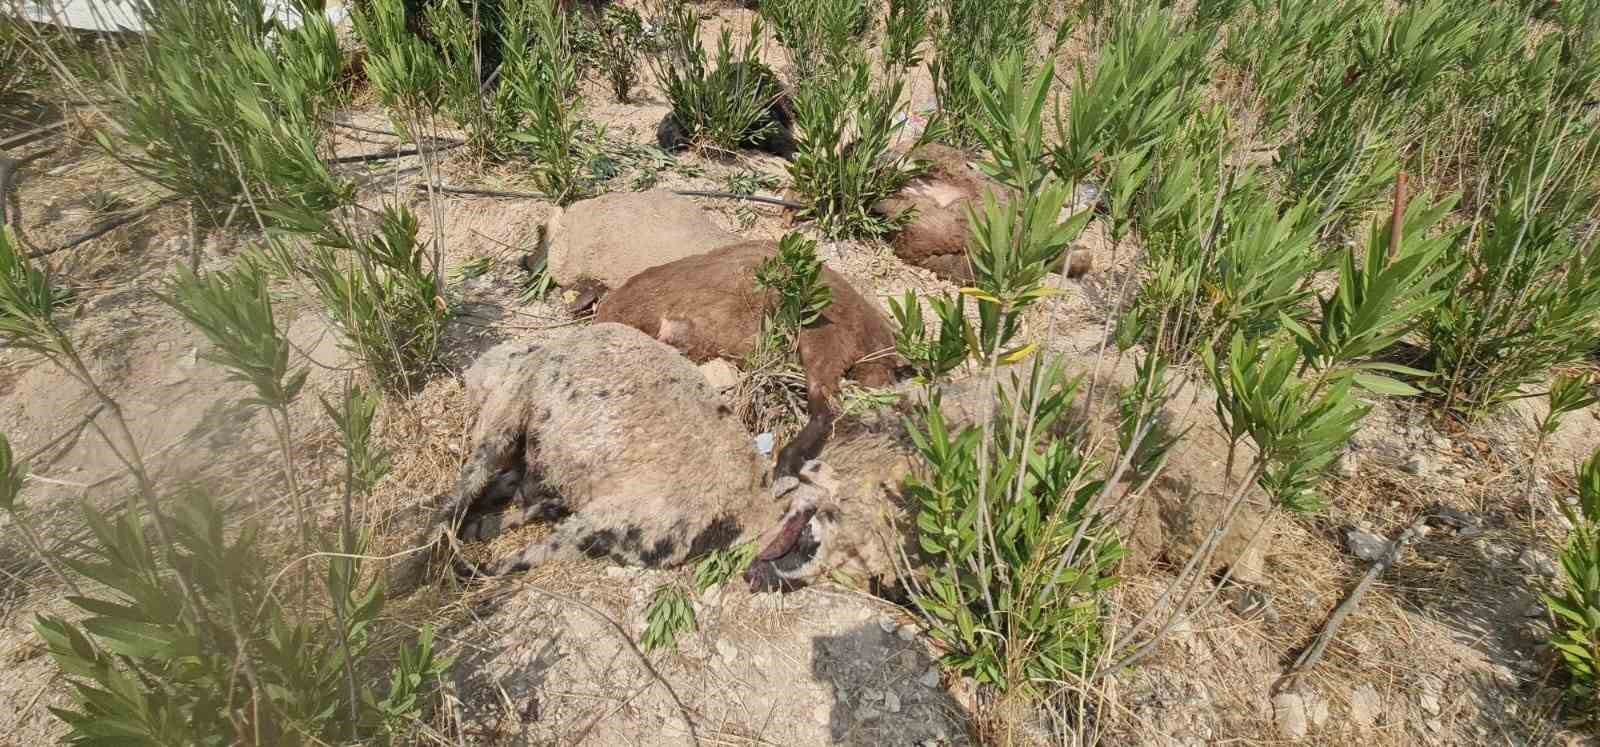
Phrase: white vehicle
(124, 15)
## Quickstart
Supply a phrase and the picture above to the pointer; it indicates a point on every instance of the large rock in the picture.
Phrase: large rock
(709, 306)
(613, 237)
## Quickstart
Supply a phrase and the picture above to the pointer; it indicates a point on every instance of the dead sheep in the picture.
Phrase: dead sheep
(709, 306)
(619, 439)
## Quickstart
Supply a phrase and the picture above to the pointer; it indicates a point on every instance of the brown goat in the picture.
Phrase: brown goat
(709, 306)
(935, 237)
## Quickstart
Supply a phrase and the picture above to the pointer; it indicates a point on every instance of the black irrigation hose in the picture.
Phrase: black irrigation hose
(751, 198)
(107, 227)
(393, 154)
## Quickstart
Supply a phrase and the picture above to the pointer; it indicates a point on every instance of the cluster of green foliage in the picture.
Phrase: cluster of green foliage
(185, 638)
(1008, 509)
(243, 125)
(725, 104)
(847, 122)
(1577, 607)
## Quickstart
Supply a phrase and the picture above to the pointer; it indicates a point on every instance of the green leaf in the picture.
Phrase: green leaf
(1384, 385)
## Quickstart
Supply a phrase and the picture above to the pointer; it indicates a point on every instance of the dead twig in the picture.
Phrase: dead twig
(32, 135)
(1319, 646)
(71, 434)
(9, 169)
(748, 198)
(107, 227)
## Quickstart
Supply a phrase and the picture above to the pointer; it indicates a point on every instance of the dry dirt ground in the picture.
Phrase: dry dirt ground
(1445, 650)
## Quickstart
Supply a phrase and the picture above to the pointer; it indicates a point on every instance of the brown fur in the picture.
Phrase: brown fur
(935, 238)
(709, 306)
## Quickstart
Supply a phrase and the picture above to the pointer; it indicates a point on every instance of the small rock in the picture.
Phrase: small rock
(871, 696)
(1348, 465)
(1079, 262)
(1360, 644)
(1365, 705)
(1247, 601)
(189, 359)
(1440, 442)
(1534, 610)
(1538, 562)
(891, 702)
(907, 633)
(888, 624)
(1289, 709)
(930, 678)
(1428, 696)
(727, 650)
(1420, 465)
(720, 374)
(712, 596)
(1317, 709)
(1365, 545)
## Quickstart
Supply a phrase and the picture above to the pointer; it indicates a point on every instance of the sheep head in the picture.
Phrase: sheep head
(796, 550)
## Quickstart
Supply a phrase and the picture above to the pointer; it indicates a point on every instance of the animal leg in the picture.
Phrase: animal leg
(540, 507)
(492, 465)
(808, 443)
(567, 542)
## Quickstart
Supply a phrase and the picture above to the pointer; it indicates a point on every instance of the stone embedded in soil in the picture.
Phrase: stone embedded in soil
(720, 374)
(1348, 465)
(1365, 545)
(1538, 562)
(888, 624)
(891, 702)
(1365, 706)
(930, 678)
(1428, 696)
(907, 633)
(1420, 465)
(1289, 710)
(1249, 601)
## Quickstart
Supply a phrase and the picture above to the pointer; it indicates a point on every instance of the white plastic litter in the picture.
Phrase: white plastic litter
(764, 444)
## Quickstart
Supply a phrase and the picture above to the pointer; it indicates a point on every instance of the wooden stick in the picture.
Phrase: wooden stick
(1398, 218)
(1314, 653)
(397, 153)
